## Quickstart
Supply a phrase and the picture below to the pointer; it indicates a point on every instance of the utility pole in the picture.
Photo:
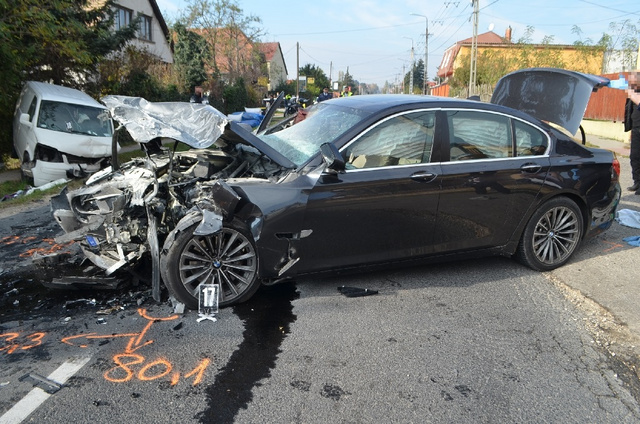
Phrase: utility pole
(297, 71)
(474, 50)
(411, 70)
(425, 77)
(330, 71)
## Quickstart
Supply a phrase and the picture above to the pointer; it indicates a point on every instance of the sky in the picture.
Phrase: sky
(373, 39)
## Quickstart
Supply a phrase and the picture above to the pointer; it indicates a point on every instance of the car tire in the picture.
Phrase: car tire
(552, 235)
(26, 169)
(227, 257)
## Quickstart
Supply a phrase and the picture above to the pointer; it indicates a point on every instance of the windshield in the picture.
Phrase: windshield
(78, 119)
(324, 123)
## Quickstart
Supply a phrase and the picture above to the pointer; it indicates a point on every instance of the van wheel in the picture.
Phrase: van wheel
(26, 169)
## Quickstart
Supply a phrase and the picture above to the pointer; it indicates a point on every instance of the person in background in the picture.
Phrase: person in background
(197, 96)
(346, 92)
(632, 123)
(325, 95)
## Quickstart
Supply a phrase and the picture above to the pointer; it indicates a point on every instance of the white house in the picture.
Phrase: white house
(275, 63)
(153, 34)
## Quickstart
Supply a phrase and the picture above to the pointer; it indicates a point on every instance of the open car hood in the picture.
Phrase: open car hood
(553, 95)
(197, 125)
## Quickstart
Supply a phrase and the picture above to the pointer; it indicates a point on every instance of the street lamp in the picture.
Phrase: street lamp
(426, 51)
(412, 66)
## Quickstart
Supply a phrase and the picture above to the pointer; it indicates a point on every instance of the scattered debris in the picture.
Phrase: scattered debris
(356, 291)
(44, 383)
(628, 217)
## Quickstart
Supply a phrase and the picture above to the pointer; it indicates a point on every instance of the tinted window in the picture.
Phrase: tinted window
(402, 140)
(529, 140)
(478, 135)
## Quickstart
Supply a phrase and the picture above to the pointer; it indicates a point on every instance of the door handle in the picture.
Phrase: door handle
(423, 176)
(531, 168)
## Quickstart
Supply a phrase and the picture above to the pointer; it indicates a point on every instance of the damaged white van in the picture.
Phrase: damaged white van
(59, 132)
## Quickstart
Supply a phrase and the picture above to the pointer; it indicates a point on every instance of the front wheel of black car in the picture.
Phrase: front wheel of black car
(227, 257)
(552, 235)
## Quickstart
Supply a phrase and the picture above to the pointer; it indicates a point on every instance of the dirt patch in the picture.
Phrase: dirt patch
(614, 338)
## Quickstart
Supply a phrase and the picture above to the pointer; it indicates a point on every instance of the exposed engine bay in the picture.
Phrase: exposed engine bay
(123, 215)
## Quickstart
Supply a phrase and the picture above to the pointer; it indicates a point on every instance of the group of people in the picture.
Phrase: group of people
(632, 123)
(326, 95)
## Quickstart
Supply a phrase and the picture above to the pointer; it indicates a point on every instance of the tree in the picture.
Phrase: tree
(320, 79)
(190, 53)
(623, 40)
(348, 80)
(418, 78)
(230, 36)
(60, 41)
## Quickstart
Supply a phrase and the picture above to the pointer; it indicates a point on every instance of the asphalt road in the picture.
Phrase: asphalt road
(475, 341)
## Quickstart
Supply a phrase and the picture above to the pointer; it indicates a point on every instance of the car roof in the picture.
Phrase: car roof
(59, 93)
(375, 103)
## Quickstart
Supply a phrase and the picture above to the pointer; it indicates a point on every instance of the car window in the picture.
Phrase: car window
(478, 135)
(402, 140)
(67, 117)
(323, 124)
(32, 108)
(529, 140)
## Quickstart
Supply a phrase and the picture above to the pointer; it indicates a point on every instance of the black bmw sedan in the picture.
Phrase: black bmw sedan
(362, 181)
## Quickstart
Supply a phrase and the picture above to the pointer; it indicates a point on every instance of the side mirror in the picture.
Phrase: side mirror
(333, 158)
(24, 119)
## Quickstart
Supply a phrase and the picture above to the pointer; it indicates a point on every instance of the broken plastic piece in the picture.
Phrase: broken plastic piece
(44, 383)
(356, 291)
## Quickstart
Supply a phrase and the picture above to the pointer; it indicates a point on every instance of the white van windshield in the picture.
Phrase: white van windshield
(71, 118)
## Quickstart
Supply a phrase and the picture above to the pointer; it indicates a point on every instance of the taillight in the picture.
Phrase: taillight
(616, 168)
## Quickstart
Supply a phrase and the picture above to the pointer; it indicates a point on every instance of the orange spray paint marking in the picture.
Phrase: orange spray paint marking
(53, 248)
(124, 362)
(11, 345)
(134, 344)
(175, 377)
(33, 340)
(9, 240)
(158, 363)
(122, 365)
(90, 336)
(613, 246)
(199, 371)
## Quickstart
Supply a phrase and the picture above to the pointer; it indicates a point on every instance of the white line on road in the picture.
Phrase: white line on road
(37, 396)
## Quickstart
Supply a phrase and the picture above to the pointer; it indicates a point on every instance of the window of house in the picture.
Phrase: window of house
(144, 30)
(402, 140)
(123, 17)
(478, 135)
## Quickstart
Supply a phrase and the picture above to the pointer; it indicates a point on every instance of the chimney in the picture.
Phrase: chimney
(507, 34)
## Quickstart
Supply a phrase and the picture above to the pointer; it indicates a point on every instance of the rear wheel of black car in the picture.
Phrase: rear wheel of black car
(552, 235)
(227, 257)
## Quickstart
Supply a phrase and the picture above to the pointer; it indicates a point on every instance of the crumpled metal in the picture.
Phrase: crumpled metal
(195, 124)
